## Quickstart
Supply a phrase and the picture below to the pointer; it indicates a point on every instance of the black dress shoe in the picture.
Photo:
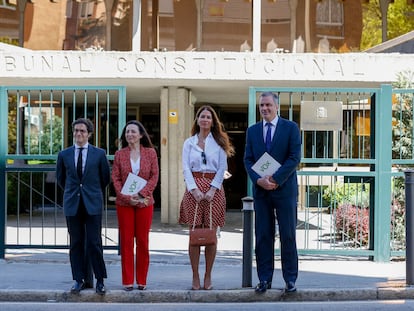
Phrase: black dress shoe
(290, 287)
(88, 284)
(262, 287)
(100, 288)
(77, 287)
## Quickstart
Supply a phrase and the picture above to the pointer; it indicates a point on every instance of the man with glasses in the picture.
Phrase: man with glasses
(82, 171)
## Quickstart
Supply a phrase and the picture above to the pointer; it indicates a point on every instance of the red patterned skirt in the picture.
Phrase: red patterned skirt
(218, 206)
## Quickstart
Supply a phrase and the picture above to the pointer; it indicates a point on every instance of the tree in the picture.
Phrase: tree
(400, 21)
(48, 140)
(12, 120)
(402, 144)
(402, 118)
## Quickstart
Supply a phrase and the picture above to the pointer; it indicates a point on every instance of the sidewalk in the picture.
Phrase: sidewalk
(44, 275)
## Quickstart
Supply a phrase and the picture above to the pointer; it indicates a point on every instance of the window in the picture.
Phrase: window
(8, 4)
(330, 19)
(86, 9)
(69, 6)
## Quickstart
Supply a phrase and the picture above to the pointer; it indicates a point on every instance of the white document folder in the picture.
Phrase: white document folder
(133, 184)
(266, 165)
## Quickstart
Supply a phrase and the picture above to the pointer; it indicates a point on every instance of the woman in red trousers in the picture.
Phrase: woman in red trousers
(135, 211)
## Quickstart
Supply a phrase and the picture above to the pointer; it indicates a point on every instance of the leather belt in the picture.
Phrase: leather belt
(204, 175)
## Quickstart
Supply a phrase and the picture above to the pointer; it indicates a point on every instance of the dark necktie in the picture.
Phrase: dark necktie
(268, 140)
(79, 165)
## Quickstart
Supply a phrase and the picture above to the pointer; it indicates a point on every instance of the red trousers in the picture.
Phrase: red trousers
(134, 227)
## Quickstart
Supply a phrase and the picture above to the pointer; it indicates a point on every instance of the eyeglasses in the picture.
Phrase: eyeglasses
(203, 156)
(82, 131)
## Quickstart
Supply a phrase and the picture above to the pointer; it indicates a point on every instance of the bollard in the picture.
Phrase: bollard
(247, 241)
(409, 226)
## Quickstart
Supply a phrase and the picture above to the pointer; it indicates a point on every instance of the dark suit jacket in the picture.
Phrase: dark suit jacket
(285, 148)
(95, 178)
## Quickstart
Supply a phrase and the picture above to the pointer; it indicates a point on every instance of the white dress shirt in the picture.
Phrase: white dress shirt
(192, 161)
(273, 127)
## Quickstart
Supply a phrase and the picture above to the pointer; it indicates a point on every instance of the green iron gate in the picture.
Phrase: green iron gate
(351, 180)
(35, 126)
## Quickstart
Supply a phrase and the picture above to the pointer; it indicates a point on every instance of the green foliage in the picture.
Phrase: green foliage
(400, 18)
(49, 140)
(402, 117)
(402, 144)
(12, 121)
(342, 196)
(349, 193)
(9, 40)
(398, 214)
(400, 21)
(350, 203)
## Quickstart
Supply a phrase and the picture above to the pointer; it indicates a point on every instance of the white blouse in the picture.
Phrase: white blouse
(192, 161)
(136, 165)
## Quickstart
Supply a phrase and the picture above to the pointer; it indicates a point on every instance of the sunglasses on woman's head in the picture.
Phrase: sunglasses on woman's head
(203, 156)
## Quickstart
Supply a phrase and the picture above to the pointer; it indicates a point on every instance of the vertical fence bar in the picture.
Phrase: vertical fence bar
(3, 151)
(409, 229)
(382, 184)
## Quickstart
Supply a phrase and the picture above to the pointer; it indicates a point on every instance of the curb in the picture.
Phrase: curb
(184, 296)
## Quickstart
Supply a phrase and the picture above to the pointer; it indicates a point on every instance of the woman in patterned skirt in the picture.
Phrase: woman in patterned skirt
(204, 164)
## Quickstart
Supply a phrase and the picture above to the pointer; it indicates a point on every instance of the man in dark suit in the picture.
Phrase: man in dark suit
(82, 171)
(275, 194)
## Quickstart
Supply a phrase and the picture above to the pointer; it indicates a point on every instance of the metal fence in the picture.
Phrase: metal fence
(402, 160)
(351, 179)
(345, 172)
(37, 128)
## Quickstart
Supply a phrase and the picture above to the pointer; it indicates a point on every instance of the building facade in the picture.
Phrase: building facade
(175, 25)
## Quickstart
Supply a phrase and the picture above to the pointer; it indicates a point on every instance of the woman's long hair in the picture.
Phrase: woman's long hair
(145, 139)
(217, 130)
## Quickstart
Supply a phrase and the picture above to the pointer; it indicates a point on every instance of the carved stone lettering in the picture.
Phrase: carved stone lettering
(10, 63)
(47, 63)
(121, 64)
(84, 66)
(319, 66)
(230, 62)
(28, 63)
(209, 66)
(249, 65)
(268, 65)
(66, 64)
(179, 63)
(140, 64)
(200, 62)
(161, 63)
(298, 66)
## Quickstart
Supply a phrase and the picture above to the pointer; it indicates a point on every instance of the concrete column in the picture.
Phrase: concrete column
(307, 27)
(176, 113)
(136, 26)
(257, 25)
(108, 33)
(293, 4)
(21, 4)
